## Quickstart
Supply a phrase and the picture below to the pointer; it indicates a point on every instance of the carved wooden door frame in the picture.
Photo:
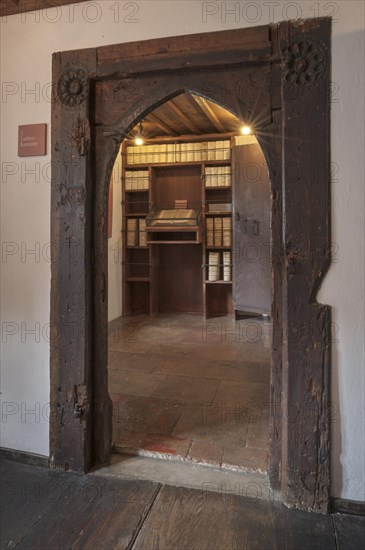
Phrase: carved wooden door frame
(275, 77)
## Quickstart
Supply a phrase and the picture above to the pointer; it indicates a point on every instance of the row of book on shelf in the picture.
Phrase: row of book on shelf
(218, 231)
(136, 232)
(215, 176)
(179, 152)
(137, 179)
(218, 176)
(217, 267)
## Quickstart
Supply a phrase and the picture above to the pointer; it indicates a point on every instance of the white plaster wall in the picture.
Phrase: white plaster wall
(115, 247)
(26, 47)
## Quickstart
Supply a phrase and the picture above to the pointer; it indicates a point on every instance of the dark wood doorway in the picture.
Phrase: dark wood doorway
(277, 79)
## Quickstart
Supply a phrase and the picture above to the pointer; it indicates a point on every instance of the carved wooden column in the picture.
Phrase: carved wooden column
(306, 224)
(71, 315)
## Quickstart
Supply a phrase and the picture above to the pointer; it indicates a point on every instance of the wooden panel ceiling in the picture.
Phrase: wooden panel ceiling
(189, 114)
(11, 7)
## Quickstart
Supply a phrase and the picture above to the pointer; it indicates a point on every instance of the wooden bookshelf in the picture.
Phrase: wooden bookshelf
(170, 271)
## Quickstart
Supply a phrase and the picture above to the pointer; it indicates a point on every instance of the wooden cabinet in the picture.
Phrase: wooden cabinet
(220, 264)
(168, 269)
(136, 253)
(251, 231)
(218, 238)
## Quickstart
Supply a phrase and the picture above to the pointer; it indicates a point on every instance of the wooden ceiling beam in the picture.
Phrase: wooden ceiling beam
(208, 111)
(183, 118)
(158, 122)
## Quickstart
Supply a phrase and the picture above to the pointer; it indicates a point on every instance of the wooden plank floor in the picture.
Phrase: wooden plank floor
(44, 509)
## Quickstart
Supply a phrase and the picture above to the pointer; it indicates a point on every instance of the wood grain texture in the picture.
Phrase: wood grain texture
(199, 520)
(271, 145)
(306, 323)
(126, 83)
(70, 291)
(48, 509)
(194, 43)
(350, 531)
(44, 509)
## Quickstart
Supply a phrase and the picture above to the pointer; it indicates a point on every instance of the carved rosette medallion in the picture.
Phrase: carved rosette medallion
(303, 63)
(72, 86)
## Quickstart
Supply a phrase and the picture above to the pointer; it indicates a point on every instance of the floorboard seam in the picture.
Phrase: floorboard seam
(39, 518)
(143, 519)
(335, 532)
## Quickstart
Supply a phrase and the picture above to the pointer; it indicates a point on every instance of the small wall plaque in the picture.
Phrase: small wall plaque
(32, 140)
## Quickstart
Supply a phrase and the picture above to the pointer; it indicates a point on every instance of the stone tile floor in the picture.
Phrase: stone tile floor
(190, 389)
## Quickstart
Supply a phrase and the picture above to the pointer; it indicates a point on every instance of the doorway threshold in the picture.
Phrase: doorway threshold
(252, 461)
(254, 486)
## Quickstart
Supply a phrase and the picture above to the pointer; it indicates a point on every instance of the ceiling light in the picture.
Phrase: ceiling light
(138, 140)
(246, 130)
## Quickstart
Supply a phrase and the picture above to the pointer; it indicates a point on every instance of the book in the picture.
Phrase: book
(128, 180)
(190, 152)
(129, 155)
(163, 152)
(204, 150)
(228, 176)
(132, 234)
(183, 149)
(208, 176)
(227, 267)
(227, 231)
(155, 154)
(226, 150)
(209, 227)
(219, 207)
(170, 156)
(215, 176)
(212, 176)
(211, 150)
(142, 232)
(198, 154)
(139, 180)
(149, 154)
(213, 266)
(218, 231)
(146, 179)
(178, 152)
(143, 156)
(220, 150)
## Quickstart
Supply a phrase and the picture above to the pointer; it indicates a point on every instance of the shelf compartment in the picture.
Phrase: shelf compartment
(218, 299)
(137, 180)
(137, 263)
(174, 236)
(218, 213)
(136, 215)
(179, 152)
(217, 176)
(137, 192)
(174, 225)
(137, 297)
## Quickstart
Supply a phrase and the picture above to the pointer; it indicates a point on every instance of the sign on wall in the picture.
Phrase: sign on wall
(32, 140)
